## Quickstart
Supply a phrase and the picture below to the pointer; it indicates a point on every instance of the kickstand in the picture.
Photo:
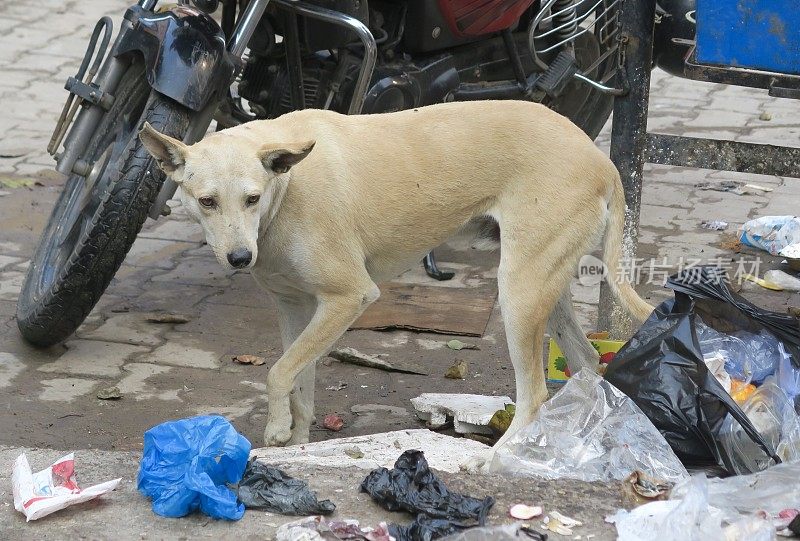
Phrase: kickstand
(433, 271)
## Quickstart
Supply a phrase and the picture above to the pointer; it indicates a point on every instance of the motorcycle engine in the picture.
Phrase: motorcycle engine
(265, 84)
(265, 78)
(401, 84)
(395, 87)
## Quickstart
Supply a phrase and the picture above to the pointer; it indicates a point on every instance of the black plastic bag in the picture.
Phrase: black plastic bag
(661, 368)
(425, 528)
(411, 486)
(269, 489)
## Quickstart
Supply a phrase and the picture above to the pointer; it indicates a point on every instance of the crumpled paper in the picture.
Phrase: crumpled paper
(36, 495)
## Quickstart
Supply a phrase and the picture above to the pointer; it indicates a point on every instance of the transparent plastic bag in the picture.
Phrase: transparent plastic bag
(773, 415)
(734, 353)
(783, 280)
(771, 233)
(690, 518)
(764, 353)
(749, 357)
(731, 351)
(788, 375)
(772, 490)
(589, 431)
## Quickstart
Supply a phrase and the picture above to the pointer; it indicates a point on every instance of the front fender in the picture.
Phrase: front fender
(184, 53)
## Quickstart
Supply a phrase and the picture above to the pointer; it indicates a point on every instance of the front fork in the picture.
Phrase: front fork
(198, 125)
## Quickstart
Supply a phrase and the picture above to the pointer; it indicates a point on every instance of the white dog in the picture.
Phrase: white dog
(322, 206)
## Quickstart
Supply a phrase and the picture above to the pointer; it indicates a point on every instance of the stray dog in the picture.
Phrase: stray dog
(322, 206)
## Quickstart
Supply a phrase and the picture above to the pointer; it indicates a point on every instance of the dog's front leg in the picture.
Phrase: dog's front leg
(333, 316)
(294, 314)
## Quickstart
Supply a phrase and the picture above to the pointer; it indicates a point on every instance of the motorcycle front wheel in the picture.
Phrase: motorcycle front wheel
(97, 217)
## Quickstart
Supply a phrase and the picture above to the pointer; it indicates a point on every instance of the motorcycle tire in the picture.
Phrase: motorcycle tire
(97, 217)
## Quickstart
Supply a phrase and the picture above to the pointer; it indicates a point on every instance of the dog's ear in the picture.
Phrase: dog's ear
(279, 159)
(170, 154)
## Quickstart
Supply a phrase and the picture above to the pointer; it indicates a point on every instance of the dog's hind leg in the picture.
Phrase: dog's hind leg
(335, 312)
(294, 314)
(564, 328)
(537, 260)
(525, 302)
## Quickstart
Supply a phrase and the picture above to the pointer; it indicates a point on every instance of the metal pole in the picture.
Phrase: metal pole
(248, 22)
(628, 141)
(294, 61)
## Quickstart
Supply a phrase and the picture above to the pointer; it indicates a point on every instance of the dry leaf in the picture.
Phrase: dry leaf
(459, 345)
(255, 360)
(457, 371)
(167, 318)
(521, 511)
(109, 393)
(639, 488)
(354, 452)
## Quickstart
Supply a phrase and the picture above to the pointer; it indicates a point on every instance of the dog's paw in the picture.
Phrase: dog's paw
(277, 434)
(478, 463)
(298, 438)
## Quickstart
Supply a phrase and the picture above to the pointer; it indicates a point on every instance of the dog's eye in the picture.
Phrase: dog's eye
(207, 202)
(253, 199)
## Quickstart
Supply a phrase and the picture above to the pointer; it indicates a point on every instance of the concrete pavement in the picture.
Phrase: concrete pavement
(126, 515)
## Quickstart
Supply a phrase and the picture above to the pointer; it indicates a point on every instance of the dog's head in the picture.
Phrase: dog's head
(228, 185)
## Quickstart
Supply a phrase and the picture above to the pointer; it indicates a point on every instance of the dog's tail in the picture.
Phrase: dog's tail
(637, 307)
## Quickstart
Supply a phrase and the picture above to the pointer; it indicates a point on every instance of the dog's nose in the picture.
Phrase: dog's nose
(240, 258)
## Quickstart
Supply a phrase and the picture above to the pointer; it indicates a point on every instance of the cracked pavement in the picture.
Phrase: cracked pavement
(166, 371)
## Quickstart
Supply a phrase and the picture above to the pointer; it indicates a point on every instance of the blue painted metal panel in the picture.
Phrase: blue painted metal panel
(758, 34)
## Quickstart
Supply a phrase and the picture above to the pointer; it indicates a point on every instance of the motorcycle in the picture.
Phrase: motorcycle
(179, 69)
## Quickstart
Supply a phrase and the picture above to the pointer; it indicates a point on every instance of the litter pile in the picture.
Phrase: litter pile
(724, 398)
(778, 235)
(708, 380)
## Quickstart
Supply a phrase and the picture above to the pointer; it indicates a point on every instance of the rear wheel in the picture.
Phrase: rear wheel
(585, 105)
(97, 217)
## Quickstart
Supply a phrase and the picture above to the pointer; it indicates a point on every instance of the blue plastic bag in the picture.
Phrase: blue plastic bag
(187, 463)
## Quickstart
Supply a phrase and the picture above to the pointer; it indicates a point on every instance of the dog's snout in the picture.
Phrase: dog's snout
(240, 258)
